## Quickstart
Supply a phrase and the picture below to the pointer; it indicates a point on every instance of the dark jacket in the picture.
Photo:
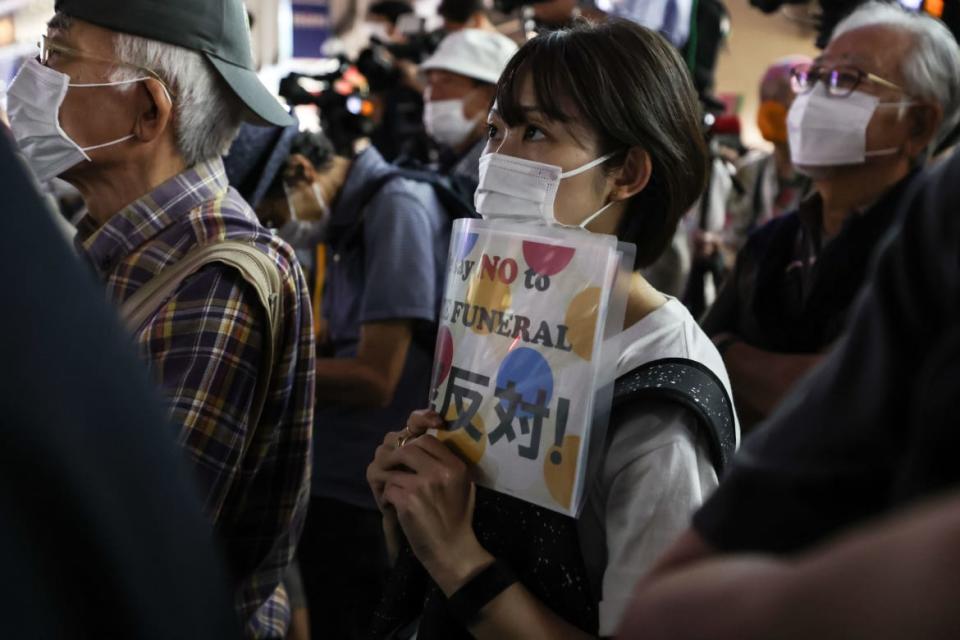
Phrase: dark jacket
(875, 427)
(792, 291)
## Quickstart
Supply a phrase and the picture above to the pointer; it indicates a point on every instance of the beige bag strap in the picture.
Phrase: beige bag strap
(257, 269)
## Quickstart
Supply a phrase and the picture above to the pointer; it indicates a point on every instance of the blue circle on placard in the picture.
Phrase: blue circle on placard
(530, 373)
(465, 244)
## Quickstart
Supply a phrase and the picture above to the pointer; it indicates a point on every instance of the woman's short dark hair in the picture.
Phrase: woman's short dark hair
(628, 85)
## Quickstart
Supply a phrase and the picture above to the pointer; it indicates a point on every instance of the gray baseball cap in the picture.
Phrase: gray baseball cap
(216, 28)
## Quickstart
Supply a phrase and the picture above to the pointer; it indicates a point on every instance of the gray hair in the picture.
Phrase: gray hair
(931, 68)
(207, 114)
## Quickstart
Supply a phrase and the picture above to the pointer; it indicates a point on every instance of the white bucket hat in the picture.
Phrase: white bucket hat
(474, 53)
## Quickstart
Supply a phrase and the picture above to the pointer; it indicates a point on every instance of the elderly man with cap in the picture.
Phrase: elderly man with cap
(461, 83)
(133, 103)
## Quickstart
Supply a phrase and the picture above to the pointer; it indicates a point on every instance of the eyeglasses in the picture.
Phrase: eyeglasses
(49, 47)
(840, 81)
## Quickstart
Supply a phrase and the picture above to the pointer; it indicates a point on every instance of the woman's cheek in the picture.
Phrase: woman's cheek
(573, 202)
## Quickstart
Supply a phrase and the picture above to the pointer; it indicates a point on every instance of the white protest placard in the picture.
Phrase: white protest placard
(521, 353)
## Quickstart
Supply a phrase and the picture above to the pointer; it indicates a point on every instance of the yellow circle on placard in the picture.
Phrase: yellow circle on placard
(581, 321)
(560, 470)
(489, 296)
(460, 441)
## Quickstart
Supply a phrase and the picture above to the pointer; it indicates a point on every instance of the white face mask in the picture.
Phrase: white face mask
(445, 122)
(304, 234)
(35, 97)
(512, 187)
(828, 132)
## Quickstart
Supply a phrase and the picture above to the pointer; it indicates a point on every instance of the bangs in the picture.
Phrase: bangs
(556, 94)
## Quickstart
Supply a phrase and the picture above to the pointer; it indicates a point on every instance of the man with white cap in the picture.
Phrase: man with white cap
(461, 83)
(133, 102)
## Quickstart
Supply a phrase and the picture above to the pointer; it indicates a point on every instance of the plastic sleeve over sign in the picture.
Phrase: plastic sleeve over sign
(527, 352)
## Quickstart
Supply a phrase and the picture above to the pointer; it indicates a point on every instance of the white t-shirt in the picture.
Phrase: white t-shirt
(656, 471)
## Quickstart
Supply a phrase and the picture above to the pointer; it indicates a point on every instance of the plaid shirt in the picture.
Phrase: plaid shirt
(204, 347)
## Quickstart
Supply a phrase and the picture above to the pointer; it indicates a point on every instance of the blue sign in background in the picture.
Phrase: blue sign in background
(311, 27)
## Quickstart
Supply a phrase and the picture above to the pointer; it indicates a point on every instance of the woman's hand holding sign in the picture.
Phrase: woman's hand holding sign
(425, 488)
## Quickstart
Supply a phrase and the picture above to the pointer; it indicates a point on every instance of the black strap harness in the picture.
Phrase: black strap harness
(692, 385)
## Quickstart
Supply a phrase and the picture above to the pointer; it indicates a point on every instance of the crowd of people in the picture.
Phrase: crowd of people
(218, 419)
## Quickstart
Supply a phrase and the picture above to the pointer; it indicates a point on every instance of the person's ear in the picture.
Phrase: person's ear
(924, 121)
(154, 111)
(633, 177)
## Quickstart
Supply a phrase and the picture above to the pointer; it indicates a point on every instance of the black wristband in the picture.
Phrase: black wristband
(466, 603)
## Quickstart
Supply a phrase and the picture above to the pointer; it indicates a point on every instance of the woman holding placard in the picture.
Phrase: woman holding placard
(613, 106)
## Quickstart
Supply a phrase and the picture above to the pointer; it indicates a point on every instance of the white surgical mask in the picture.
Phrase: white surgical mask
(304, 234)
(445, 122)
(825, 131)
(35, 98)
(512, 187)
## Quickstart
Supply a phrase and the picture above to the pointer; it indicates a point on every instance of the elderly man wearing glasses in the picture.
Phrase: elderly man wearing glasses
(133, 102)
(867, 115)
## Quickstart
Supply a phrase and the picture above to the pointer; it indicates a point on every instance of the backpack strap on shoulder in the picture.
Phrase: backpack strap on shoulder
(455, 195)
(256, 268)
(693, 386)
(450, 193)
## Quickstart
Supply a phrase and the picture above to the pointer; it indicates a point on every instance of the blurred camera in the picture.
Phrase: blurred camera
(378, 62)
(342, 99)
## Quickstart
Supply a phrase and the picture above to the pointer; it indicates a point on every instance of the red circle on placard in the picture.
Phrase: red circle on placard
(444, 355)
(547, 259)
